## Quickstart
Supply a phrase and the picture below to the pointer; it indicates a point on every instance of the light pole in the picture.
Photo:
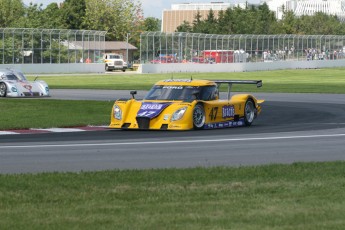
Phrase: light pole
(127, 48)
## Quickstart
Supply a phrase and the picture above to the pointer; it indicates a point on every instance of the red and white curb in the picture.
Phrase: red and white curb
(53, 130)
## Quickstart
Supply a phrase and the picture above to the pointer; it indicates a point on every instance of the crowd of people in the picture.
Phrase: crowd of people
(309, 53)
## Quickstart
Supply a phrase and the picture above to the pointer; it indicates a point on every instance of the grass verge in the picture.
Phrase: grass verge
(297, 196)
(43, 113)
(284, 81)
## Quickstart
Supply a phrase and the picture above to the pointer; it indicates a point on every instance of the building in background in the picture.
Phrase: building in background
(307, 7)
(331, 7)
(179, 13)
(174, 17)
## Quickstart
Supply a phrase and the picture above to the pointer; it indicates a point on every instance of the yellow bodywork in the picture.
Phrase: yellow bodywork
(214, 111)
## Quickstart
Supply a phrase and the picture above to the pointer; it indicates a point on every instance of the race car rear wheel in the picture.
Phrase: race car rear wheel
(199, 116)
(249, 112)
(3, 89)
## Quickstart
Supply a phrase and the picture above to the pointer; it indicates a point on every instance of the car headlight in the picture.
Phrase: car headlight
(117, 112)
(14, 89)
(178, 114)
(47, 89)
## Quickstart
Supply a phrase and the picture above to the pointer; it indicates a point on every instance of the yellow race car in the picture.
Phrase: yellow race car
(183, 104)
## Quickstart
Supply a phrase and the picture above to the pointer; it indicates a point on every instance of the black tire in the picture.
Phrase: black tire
(199, 116)
(123, 70)
(106, 68)
(249, 112)
(3, 89)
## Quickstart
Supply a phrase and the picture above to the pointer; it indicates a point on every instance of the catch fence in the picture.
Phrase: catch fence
(34, 46)
(158, 47)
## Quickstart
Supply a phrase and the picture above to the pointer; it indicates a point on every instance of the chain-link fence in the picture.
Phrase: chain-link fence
(22, 45)
(157, 47)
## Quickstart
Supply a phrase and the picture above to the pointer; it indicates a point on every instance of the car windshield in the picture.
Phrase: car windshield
(114, 57)
(183, 93)
(14, 76)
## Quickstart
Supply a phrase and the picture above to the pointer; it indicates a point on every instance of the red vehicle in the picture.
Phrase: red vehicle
(218, 56)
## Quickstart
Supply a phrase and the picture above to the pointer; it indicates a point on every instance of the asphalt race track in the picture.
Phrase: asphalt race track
(291, 128)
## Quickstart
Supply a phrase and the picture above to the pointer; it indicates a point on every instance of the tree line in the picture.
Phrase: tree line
(121, 18)
(260, 20)
(118, 17)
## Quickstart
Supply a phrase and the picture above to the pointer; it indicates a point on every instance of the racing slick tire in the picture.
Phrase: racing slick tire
(249, 112)
(3, 89)
(199, 116)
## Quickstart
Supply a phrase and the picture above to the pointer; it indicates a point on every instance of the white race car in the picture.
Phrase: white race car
(14, 84)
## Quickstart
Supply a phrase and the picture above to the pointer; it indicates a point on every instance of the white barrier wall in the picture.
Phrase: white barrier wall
(238, 67)
(57, 68)
(176, 67)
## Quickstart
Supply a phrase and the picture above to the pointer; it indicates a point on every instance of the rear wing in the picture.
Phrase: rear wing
(258, 83)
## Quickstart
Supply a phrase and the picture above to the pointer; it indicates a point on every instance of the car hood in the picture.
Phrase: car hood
(28, 86)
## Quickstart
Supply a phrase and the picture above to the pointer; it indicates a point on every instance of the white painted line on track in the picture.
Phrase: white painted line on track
(61, 130)
(53, 130)
(7, 133)
(174, 142)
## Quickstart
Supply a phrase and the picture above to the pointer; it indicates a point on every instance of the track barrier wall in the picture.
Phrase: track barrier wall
(238, 67)
(57, 68)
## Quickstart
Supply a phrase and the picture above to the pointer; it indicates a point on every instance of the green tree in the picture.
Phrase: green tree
(37, 17)
(184, 27)
(117, 17)
(226, 21)
(198, 23)
(266, 19)
(320, 23)
(10, 12)
(210, 25)
(151, 24)
(288, 24)
(33, 17)
(240, 21)
(73, 14)
(54, 13)
(10, 52)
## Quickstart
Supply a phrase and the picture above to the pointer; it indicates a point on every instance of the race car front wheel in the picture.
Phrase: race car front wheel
(198, 116)
(3, 89)
(249, 112)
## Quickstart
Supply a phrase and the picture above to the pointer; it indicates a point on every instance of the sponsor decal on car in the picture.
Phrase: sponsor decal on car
(173, 87)
(28, 87)
(228, 111)
(151, 109)
(224, 124)
(177, 80)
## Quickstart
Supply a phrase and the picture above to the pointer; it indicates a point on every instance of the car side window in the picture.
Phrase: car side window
(208, 93)
(11, 77)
